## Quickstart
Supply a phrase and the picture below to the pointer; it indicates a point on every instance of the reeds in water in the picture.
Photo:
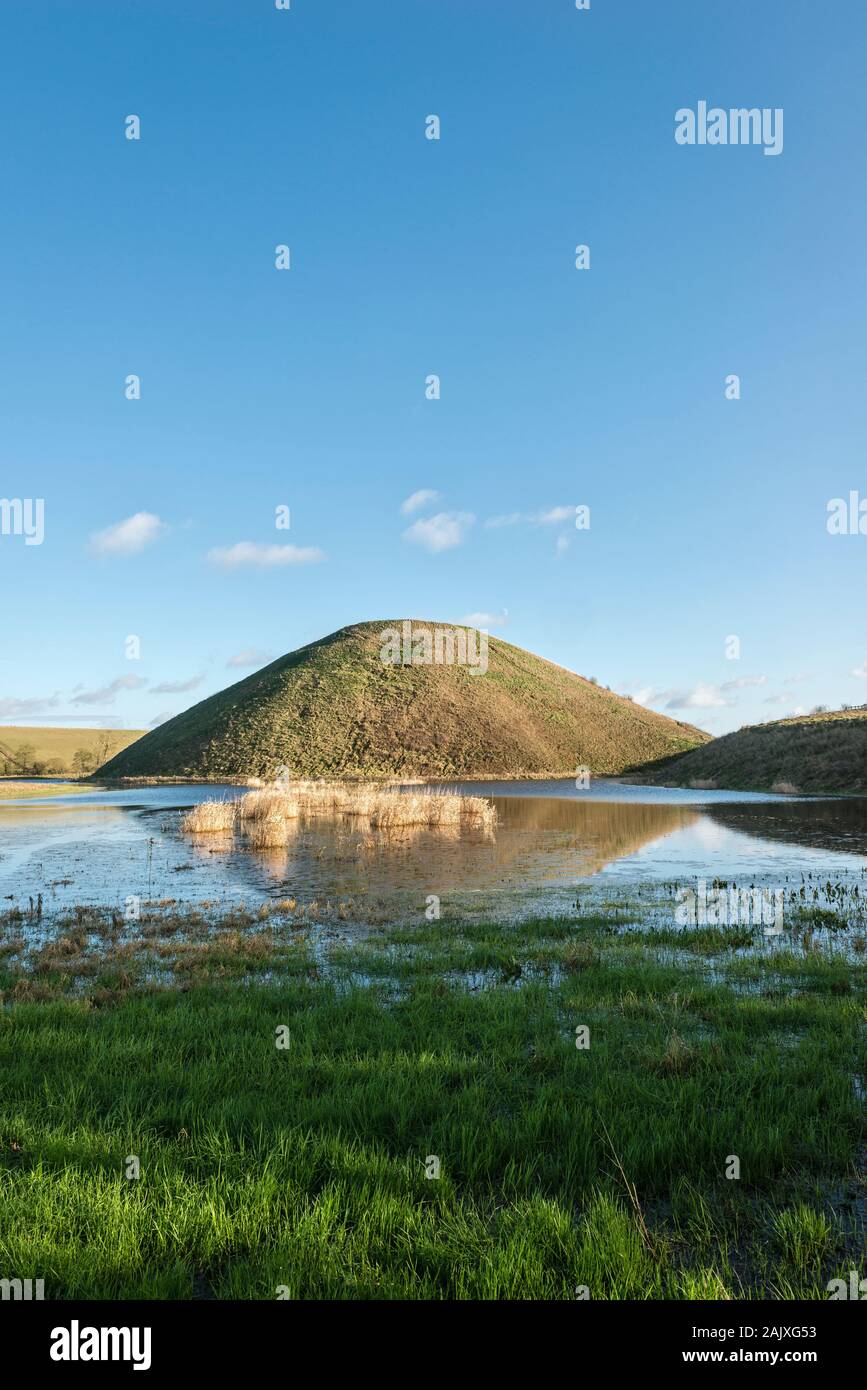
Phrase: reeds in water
(435, 810)
(263, 814)
(210, 818)
(267, 832)
(266, 804)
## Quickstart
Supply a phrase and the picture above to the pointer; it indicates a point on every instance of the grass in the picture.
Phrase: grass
(335, 709)
(303, 1167)
(26, 791)
(210, 818)
(822, 752)
(268, 815)
(53, 750)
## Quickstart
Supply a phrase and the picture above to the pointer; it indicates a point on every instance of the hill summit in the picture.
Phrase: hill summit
(407, 697)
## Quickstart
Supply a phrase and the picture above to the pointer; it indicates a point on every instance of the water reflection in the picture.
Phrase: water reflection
(537, 841)
(110, 847)
(590, 833)
(839, 825)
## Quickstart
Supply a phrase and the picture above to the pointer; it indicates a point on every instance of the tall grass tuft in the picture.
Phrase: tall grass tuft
(267, 832)
(262, 814)
(210, 818)
(267, 804)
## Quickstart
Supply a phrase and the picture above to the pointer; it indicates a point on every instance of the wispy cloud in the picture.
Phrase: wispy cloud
(176, 687)
(485, 620)
(796, 679)
(418, 499)
(441, 532)
(160, 719)
(861, 670)
(552, 516)
(128, 537)
(12, 708)
(250, 656)
(702, 696)
(744, 682)
(777, 700)
(99, 719)
(266, 557)
(644, 695)
(107, 694)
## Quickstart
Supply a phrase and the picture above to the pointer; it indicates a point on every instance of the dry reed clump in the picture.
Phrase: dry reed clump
(210, 818)
(267, 832)
(437, 810)
(269, 803)
(476, 810)
(386, 807)
(263, 813)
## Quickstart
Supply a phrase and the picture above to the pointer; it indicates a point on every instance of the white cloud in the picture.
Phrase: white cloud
(418, 499)
(485, 620)
(441, 532)
(128, 537)
(702, 696)
(553, 516)
(21, 709)
(107, 694)
(265, 557)
(160, 719)
(250, 656)
(176, 687)
(796, 679)
(742, 682)
(861, 670)
(562, 545)
(776, 700)
(643, 696)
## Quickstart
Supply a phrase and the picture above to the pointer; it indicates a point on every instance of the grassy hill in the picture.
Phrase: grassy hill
(335, 708)
(37, 751)
(812, 753)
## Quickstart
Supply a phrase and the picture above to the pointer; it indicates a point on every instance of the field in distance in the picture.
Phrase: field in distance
(36, 752)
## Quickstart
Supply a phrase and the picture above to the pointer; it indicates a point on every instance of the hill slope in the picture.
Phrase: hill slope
(335, 708)
(44, 750)
(813, 753)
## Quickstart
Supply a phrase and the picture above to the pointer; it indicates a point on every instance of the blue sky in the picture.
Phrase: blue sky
(412, 257)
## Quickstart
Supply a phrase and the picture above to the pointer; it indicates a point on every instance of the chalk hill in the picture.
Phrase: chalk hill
(335, 708)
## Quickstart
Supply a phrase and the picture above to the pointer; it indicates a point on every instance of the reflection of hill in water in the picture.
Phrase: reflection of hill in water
(839, 825)
(599, 831)
(538, 840)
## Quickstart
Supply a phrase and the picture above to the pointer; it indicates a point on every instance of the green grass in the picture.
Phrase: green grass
(26, 751)
(813, 753)
(304, 1168)
(334, 708)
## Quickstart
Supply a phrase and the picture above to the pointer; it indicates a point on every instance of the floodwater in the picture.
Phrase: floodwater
(552, 844)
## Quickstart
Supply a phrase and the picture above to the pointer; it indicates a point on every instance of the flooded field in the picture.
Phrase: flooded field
(304, 1016)
(551, 843)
